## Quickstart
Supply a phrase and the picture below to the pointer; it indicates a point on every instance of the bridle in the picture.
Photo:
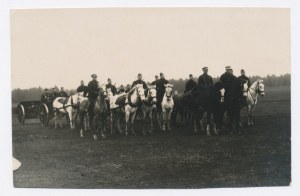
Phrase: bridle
(169, 96)
(257, 90)
(150, 100)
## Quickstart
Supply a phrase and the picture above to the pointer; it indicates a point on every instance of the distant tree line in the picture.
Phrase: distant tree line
(179, 85)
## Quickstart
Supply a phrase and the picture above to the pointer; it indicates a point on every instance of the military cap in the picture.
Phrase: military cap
(205, 68)
(228, 68)
(139, 74)
(94, 75)
(161, 74)
(191, 75)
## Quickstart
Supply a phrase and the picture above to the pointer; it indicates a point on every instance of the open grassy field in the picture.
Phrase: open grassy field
(260, 156)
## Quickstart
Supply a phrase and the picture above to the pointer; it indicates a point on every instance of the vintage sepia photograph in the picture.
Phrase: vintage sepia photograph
(151, 98)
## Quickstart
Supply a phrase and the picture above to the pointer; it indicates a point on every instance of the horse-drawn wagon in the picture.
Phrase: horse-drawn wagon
(27, 110)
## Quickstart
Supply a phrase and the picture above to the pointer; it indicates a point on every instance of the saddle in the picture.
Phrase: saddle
(63, 100)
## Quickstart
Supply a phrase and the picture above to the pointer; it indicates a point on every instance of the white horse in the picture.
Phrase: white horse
(257, 88)
(116, 111)
(69, 106)
(134, 98)
(148, 105)
(167, 105)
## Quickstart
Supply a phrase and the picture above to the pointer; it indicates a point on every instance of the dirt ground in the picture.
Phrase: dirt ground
(260, 156)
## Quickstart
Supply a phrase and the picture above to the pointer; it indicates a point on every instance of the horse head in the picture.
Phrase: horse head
(152, 93)
(261, 87)
(76, 99)
(168, 91)
(220, 90)
(245, 89)
(140, 91)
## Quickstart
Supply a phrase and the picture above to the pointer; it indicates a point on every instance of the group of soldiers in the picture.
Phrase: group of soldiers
(92, 89)
(48, 96)
(206, 81)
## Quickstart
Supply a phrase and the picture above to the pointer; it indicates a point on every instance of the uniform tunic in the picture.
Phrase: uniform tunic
(112, 87)
(139, 82)
(227, 79)
(160, 90)
(190, 84)
(93, 89)
(83, 88)
(246, 79)
(205, 80)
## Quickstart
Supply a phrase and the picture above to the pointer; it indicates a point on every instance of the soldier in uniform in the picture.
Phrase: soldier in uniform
(139, 81)
(46, 96)
(190, 84)
(121, 89)
(55, 92)
(62, 92)
(205, 80)
(82, 88)
(155, 81)
(127, 89)
(160, 90)
(244, 78)
(227, 78)
(93, 92)
(111, 86)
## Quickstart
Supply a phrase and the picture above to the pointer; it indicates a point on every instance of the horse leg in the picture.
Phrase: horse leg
(118, 119)
(103, 125)
(144, 122)
(169, 120)
(194, 121)
(163, 120)
(127, 115)
(251, 115)
(151, 123)
(82, 119)
(208, 123)
(112, 116)
(95, 127)
(60, 120)
(55, 119)
(131, 124)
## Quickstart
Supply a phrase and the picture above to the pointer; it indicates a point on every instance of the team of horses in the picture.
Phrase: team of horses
(192, 106)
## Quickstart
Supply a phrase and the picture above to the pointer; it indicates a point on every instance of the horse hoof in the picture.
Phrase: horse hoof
(81, 136)
(95, 137)
(216, 132)
(103, 136)
(208, 133)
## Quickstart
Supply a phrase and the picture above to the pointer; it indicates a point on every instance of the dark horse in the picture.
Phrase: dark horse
(201, 99)
(232, 103)
(98, 120)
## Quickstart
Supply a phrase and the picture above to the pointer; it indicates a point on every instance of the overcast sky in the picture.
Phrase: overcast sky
(62, 46)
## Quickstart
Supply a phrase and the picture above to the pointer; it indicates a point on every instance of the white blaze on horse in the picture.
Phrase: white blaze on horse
(257, 88)
(116, 110)
(167, 105)
(147, 107)
(134, 98)
(66, 106)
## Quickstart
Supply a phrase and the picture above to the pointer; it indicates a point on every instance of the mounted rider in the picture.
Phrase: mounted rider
(139, 81)
(155, 81)
(55, 92)
(227, 78)
(160, 90)
(47, 97)
(62, 92)
(82, 88)
(111, 86)
(190, 84)
(205, 80)
(244, 79)
(93, 93)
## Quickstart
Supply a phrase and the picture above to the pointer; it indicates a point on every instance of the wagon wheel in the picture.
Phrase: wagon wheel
(44, 115)
(21, 113)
